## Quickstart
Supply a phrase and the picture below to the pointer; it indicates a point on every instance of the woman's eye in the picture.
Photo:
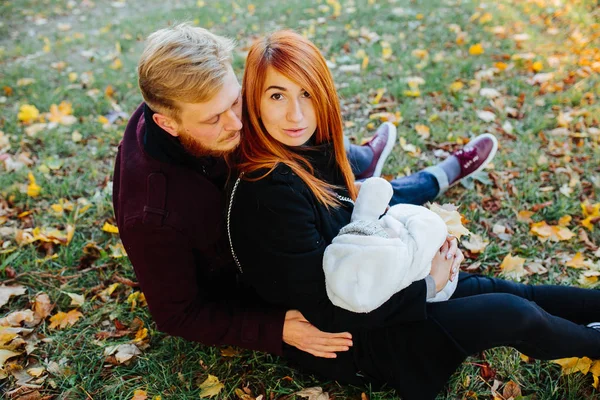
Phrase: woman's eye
(306, 94)
(276, 96)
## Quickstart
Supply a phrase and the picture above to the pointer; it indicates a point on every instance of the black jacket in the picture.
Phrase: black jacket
(280, 232)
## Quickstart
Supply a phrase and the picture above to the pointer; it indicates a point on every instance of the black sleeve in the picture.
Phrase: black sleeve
(281, 251)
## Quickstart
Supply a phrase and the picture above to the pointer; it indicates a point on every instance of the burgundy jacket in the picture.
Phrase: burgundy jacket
(169, 207)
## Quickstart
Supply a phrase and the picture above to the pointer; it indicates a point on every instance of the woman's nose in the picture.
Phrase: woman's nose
(294, 113)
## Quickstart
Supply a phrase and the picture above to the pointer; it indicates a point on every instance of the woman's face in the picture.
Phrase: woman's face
(287, 110)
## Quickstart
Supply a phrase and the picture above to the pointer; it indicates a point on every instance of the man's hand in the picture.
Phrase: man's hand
(300, 333)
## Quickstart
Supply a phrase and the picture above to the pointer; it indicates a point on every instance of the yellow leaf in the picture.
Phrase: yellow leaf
(252, 9)
(28, 113)
(141, 335)
(456, 86)
(110, 228)
(77, 300)
(476, 49)
(595, 368)
(36, 372)
(525, 216)
(512, 267)
(5, 355)
(564, 220)
(420, 53)
(537, 66)
(475, 244)
(574, 364)
(117, 64)
(555, 233)
(452, 218)
(365, 62)
(117, 251)
(590, 213)
(103, 120)
(140, 395)
(229, 352)
(412, 93)
(423, 131)
(577, 261)
(485, 18)
(378, 96)
(210, 387)
(72, 76)
(62, 320)
(200, 3)
(501, 65)
(386, 53)
(33, 189)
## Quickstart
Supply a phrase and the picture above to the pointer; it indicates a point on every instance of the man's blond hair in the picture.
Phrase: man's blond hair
(182, 64)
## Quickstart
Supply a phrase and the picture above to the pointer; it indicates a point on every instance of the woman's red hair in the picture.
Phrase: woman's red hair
(299, 60)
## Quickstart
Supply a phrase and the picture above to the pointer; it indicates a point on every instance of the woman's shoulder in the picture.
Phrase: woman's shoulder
(282, 174)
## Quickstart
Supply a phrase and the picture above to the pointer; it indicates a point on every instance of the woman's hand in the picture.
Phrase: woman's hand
(300, 333)
(456, 253)
(441, 267)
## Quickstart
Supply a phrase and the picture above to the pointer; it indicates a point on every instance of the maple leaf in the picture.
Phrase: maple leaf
(512, 267)
(5, 355)
(452, 218)
(110, 228)
(62, 320)
(577, 261)
(6, 292)
(476, 49)
(28, 113)
(313, 393)
(42, 306)
(574, 364)
(554, 233)
(210, 387)
(140, 395)
(475, 244)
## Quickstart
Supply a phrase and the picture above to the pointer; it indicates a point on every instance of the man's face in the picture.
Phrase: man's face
(212, 127)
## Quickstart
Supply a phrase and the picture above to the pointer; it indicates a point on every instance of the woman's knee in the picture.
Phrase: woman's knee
(521, 315)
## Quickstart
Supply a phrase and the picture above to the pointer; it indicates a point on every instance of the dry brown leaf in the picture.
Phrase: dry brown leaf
(5, 355)
(123, 352)
(62, 320)
(17, 318)
(313, 393)
(511, 390)
(451, 217)
(6, 292)
(525, 216)
(42, 306)
(229, 352)
(475, 244)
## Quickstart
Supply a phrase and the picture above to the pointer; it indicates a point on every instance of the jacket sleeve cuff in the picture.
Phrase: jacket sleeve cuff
(430, 287)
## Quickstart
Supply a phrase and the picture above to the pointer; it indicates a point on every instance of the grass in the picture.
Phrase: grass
(70, 50)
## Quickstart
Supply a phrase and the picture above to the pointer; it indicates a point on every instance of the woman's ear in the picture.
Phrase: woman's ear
(166, 123)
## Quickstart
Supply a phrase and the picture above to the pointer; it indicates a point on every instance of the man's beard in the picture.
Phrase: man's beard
(197, 149)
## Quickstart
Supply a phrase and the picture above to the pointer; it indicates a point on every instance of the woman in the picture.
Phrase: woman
(294, 194)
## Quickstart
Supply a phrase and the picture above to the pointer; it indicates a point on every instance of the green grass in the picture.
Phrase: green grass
(81, 170)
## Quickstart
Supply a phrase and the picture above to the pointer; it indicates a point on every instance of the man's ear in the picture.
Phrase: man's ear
(166, 123)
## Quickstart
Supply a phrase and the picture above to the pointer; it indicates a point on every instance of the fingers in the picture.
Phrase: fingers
(456, 265)
(452, 247)
(327, 346)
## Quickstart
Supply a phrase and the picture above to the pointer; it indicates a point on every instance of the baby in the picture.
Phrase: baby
(372, 258)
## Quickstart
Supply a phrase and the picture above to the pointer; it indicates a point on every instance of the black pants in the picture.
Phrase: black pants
(541, 321)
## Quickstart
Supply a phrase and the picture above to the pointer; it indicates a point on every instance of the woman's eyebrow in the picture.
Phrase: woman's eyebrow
(276, 87)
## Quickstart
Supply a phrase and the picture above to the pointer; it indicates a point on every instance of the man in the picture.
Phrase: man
(169, 197)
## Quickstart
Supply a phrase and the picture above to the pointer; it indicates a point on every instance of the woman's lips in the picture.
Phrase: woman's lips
(295, 132)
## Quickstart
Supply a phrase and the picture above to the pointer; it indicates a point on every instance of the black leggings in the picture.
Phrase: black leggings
(541, 321)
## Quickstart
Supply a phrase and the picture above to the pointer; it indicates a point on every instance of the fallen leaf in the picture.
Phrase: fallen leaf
(210, 387)
(550, 232)
(525, 216)
(140, 395)
(512, 267)
(42, 306)
(6, 292)
(123, 352)
(511, 390)
(313, 393)
(475, 243)
(536, 268)
(5, 355)
(28, 113)
(423, 131)
(486, 116)
(62, 320)
(77, 300)
(574, 364)
(110, 228)
(489, 93)
(577, 261)
(452, 218)
(476, 49)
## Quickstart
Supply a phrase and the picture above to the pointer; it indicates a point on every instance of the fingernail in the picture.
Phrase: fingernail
(449, 256)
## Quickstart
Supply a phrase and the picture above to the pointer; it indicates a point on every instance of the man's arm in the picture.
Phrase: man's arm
(165, 267)
(167, 273)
